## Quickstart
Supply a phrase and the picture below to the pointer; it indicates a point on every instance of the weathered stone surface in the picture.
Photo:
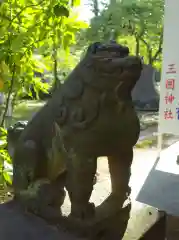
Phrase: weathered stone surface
(90, 116)
(14, 224)
(143, 217)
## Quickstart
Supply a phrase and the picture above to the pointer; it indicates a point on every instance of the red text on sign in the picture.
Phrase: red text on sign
(169, 99)
(170, 83)
(168, 114)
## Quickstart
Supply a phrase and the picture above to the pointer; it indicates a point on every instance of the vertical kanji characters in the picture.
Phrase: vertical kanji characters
(169, 98)
(168, 114)
(170, 83)
(171, 69)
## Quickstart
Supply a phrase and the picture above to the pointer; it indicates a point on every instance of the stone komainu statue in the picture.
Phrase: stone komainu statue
(90, 116)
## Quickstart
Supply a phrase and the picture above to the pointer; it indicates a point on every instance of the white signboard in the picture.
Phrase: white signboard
(160, 188)
(169, 89)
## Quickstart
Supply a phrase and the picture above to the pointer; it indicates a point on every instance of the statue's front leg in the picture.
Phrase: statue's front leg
(120, 172)
(80, 178)
(111, 215)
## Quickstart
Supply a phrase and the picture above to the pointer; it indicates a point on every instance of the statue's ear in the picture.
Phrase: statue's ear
(93, 47)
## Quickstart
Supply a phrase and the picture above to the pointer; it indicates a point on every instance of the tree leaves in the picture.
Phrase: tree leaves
(31, 25)
(61, 11)
(130, 19)
(7, 175)
(75, 3)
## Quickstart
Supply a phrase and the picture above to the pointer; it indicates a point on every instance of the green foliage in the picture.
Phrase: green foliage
(139, 24)
(5, 160)
(28, 27)
(60, 11)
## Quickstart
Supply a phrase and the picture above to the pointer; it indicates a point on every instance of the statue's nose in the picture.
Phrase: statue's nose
(135, 64)
(126, 63)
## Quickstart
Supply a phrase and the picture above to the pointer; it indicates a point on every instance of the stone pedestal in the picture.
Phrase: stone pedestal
(145, 221)
(158, 229)
(14, 224)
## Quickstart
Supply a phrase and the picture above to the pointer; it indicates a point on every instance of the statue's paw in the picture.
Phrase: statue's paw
(51, 214)
(48, 213)
(31, 206)
(83, 212)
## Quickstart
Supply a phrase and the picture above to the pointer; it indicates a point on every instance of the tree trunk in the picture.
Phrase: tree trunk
(8, 96)
(137, 49)
(95, 8)
(55, 73)
(150, 59)
(55, 64)
(14, 101)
